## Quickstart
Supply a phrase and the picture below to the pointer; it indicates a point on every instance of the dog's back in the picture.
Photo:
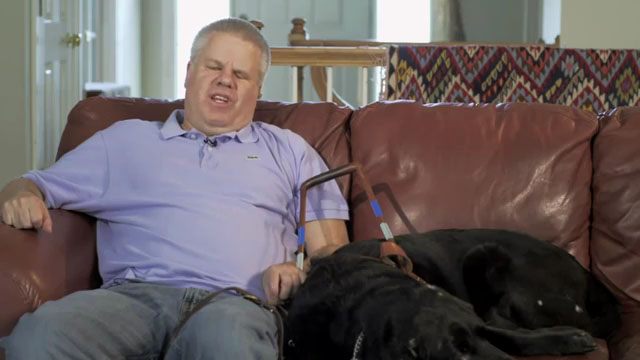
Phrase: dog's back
(352, 305)
(510, 278)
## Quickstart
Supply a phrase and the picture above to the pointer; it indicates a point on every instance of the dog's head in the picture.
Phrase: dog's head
(518, 290)
(447, 328)
(403, 319)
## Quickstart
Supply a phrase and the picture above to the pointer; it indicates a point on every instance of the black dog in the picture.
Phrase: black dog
(513, 280)
(356, 307)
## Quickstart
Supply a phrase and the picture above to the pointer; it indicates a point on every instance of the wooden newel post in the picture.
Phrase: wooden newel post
(299, 32)
(258, 24)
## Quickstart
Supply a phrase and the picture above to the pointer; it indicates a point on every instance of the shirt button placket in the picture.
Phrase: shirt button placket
(209, 155)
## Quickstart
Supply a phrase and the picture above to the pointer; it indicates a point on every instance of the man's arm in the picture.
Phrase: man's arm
(22, 206)
(322, 238)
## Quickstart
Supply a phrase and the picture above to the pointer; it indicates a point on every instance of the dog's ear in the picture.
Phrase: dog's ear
(484, 270)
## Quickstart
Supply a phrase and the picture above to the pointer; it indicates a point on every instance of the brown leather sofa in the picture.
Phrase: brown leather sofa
(555, 172)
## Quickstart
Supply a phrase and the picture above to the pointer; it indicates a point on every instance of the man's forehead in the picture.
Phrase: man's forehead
(229, 37)
(223, 45)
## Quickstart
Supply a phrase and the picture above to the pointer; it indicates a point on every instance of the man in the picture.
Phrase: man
(207, 200)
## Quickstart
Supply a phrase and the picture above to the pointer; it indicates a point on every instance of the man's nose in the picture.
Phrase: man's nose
(225, 77)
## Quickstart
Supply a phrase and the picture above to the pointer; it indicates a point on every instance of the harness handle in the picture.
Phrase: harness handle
(387, 250)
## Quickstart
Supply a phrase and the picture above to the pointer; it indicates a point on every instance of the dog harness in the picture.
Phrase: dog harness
(390, 252)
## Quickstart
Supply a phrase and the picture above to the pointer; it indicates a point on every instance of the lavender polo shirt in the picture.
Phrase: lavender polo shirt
(173, 210)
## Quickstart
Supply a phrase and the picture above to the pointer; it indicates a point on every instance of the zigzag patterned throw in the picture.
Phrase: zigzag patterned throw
(595, 80)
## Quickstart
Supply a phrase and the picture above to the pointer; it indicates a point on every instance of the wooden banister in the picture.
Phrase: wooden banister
(328, 56)
(318, 58)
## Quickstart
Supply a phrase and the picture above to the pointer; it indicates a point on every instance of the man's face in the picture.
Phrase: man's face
(222, 85)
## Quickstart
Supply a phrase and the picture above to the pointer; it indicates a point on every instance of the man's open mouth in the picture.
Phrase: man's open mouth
(220, 99)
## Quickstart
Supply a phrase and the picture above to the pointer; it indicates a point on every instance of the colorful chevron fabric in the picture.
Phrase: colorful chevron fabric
(596, 80)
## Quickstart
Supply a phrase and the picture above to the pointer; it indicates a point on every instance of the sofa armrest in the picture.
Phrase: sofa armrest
(36, 266)
(625, 343)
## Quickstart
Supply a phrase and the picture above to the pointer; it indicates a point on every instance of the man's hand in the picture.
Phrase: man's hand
(280, 281)
(22, 207)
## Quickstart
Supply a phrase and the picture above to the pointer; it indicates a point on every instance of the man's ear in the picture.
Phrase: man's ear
(187, 76)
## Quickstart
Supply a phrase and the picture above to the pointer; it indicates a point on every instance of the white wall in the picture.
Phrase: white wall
(551, 20)
(493, 20)
(121, 46)
(600, 24)
(15, 33)
(158, 48)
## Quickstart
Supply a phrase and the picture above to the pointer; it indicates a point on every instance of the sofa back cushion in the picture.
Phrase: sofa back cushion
(523, 167)
(616, 200)
(323, 125)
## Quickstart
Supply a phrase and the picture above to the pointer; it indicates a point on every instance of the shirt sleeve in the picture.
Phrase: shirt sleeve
(324, 201)
(78, 179)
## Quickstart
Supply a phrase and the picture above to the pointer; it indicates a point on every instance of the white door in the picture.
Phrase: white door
(61, 42)
(326, 19)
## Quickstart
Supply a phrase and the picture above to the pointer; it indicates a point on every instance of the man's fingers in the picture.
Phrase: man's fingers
(6, 217)
(36, 217)
(272, 289)
(281, 281)
(40, 218)
(45, 219)
(26, 210)
(290, 283)
(23, 218)
(301, 278)
(47, 224)
(287, 282)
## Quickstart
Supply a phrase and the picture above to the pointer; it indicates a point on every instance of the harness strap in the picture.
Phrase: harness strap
(391, 251)
(392, 254)
(247, 295)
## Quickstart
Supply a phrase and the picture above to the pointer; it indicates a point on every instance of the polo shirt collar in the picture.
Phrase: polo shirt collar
(172, 128)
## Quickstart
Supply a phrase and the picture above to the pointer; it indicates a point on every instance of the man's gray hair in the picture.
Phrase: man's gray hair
(243, 29)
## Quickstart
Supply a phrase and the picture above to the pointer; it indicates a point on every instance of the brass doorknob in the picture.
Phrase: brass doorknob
(72, 40)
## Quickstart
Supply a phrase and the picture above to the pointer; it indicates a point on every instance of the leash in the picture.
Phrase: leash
(246, 295)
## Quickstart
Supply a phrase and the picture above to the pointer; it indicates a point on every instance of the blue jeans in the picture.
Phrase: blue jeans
(135, 320)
